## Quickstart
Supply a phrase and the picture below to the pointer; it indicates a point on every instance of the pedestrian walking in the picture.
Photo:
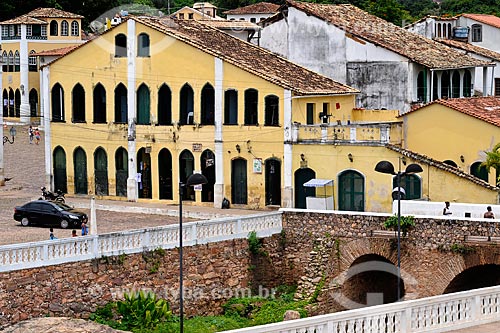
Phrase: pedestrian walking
(51, 234)
(31, 134)
(489, 213)
(37, 136)
(85, 229)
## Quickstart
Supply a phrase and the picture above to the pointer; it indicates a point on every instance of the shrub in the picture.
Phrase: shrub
(407, 223)
(142, 310)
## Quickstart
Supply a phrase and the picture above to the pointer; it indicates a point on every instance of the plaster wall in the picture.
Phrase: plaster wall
(458, 209)
(491, 37)
(247, 17)
(424, 28)
(275, 38)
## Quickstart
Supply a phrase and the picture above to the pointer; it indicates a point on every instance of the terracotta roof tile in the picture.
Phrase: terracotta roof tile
(256, 8)
(483, 108)
(470, 48)
(247, 56)
(442, 166)
(417, 48)
(52, 13)
(237, 25)
(56, 52)
(23, 19)
(492, 20)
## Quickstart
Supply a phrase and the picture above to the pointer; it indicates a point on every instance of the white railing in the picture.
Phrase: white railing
(431, 314)
(51, 252)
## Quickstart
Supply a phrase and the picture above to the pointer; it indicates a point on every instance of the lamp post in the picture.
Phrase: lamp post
(12, 133)
(194, 179)
(387, 167)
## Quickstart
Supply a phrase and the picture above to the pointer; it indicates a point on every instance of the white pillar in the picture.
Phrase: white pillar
(219, 146)
(45, 109)
(485, 81)
(93, 220)
(24, 87)
(287, 201)
(132, 193)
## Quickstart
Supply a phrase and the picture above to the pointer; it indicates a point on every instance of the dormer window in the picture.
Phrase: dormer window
(64, 28)
(53, 28)
(477, 33)
(75, 29)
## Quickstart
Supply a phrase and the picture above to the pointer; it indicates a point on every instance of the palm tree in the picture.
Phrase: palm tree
(493, 160)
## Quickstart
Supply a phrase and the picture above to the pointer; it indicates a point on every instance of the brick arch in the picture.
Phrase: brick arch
(353, 249)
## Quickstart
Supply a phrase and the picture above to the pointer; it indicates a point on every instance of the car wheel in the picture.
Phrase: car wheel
(25, 222)
(64, 224)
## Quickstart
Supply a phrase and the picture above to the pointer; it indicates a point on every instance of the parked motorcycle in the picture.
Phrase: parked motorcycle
(47, 195)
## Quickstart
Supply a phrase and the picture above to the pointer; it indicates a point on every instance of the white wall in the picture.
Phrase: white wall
(458, 209)
(275, 38)
(491, 35)
(247, 17)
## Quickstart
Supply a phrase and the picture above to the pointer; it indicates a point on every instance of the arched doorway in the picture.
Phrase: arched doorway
(273, 182)
(239, 181)
(18, 103)
(481, 276)
(372, 280)
(351, 191)
(208, 170)
(121, 165)
(5, 103)
(186, 168)
(33, 100)
(80, 169)
(476, 169)
(143, 105)
(144, 168)
(303, 176)
(165, 174)
(101, 172)
(60, 178)
(12, 111)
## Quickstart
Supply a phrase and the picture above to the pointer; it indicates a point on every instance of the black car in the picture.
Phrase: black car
(42, 212)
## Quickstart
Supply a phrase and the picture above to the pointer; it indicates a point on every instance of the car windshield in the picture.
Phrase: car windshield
(60, 206)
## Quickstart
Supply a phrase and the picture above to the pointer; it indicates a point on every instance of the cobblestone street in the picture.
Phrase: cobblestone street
(24, 163)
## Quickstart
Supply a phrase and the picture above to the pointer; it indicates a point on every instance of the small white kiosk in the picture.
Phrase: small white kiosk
(323, 200)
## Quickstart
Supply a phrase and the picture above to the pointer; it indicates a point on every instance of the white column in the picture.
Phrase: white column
(219, 156)
(132, 193)
(93, 219)
(23, 62)
(45, 109)
(287, 195)
(461, 83)
(485, 81)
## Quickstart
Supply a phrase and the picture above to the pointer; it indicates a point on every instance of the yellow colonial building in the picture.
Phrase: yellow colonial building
(134, 112)
(21, 39)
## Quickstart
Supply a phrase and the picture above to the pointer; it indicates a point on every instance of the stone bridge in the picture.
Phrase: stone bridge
(341, 259)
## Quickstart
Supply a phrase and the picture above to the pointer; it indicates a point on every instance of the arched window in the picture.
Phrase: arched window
(5, 62)
(53, 28)
(164, 105)
(144, 168)
(17, 101)
(351, 191)
(467, 83)
(143, 105)
(186, 168)
(57, 102)
(186, 111)
(33, 101)
(251, 107)
(17, 62)
(165, 174)
(450, 163)
(32, 65)
(273, 182)
(75, 28)
(5, 103)
(11, 62)
(207, 104)
(239, 181)
(60, 179)
(412, 184)
(99, 104)
(421, 87)
(479, 171)
(143, 45)
(101, 171)
(271, 111)
(121, 173)
(78, 103)
(231, 107)
(120, 46)
(121, 104)
(449, 30)
(208, 170)
(12, 112)
(64, 28)
(445, 85)
(455, 84)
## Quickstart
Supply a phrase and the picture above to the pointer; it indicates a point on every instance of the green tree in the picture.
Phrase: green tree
(493, 160)
(389, 10)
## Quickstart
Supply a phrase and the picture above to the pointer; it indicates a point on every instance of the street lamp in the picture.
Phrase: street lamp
(12, 132)
(194, 179)
(387, 167)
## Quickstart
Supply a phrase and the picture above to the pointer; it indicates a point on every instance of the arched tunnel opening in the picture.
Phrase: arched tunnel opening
(475, 277)
(372, 280)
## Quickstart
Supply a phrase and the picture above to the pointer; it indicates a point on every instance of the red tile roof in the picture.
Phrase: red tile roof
(256, 8)
(23, 19)
(470, 48)
(442, 166)
(236, 25)
(56, 52)
(360, 24)
(247, 56)
(52, 13)
(483, 108)
(492, 20)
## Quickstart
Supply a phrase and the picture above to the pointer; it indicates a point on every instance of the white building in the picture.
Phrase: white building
(253, 13)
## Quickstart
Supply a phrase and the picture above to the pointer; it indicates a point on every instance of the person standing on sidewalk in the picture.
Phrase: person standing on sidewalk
(31, 134)
(37, 136)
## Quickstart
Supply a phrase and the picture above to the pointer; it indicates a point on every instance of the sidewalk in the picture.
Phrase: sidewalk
(188, 210)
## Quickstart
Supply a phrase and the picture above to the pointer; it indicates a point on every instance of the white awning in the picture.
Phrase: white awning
(318, 182)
